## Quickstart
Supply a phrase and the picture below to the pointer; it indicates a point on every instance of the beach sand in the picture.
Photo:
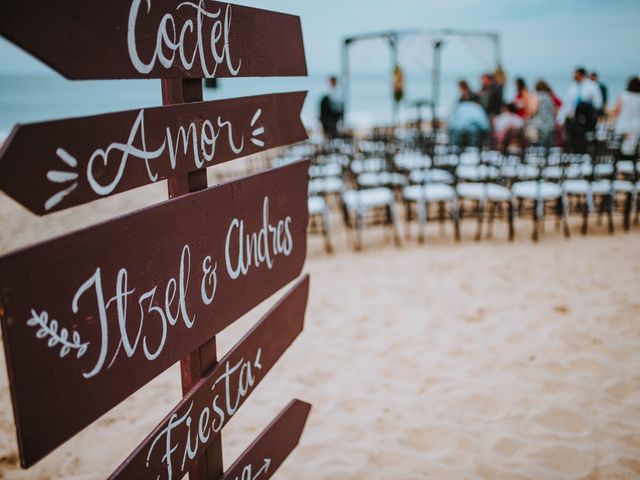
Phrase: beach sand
(445, 361)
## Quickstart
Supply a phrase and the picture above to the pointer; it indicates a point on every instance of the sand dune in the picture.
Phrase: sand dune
(478, 360)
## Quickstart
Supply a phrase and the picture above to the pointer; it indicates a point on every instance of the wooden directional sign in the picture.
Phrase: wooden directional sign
(100, 39)
(92, 316)
(261, 460)
(194, 423)
(56, 165)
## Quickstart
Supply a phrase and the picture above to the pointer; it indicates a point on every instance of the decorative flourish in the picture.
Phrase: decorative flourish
(57, 335)
(58, 176)
(258, 131)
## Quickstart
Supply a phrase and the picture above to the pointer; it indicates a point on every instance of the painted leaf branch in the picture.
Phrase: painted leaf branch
(57, 335)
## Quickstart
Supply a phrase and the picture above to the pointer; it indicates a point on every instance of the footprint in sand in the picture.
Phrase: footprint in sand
(477, 316)
(10, 460)
(432, 440)
(591, 367)
(565, 461)
(478, 405)
(633, 440)
(562, 309)
(630, 464)
(558, 421)
(621, 390)
(489, 472)
(508, 447)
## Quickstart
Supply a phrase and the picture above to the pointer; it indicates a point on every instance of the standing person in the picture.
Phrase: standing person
(490, 95)
(604, 91)
(579, 113)
(627, 112)
(524, 100)
(331, 109)
(466, 94)
(541, 126)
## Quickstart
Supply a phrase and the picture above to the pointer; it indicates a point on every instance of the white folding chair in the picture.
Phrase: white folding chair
(358, 205)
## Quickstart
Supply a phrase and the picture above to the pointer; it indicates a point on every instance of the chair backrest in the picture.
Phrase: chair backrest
(606, 154)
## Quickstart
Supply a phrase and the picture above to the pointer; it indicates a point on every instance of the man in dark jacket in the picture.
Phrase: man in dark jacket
(490, 95)
(331, 109)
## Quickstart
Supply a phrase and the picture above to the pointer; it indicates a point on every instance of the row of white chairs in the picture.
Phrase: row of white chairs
(537, 194)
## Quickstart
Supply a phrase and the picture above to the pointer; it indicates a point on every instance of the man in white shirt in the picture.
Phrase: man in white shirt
(582, 90)
(579, 113)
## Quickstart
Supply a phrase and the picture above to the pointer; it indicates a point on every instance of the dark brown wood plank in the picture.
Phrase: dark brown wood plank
(194, 365)
(265, 455)
(92, 316)
(55, 165)
(99, 39)
(197, 421)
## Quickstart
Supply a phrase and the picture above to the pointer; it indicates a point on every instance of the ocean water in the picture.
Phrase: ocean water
(34, 98)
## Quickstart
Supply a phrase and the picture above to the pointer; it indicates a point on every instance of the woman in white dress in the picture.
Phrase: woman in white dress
(627, 112)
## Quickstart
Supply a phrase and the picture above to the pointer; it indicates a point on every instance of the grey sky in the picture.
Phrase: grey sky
(537, 35)
(547, 35)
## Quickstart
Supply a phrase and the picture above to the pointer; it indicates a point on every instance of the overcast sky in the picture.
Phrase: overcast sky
(537, 35)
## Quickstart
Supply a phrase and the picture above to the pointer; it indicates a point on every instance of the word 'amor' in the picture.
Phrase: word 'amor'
(197, 142)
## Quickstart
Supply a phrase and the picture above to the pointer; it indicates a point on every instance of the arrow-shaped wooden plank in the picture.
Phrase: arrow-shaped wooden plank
(100, 39)
(261, 460)
(90, 317)
(187, 431)
(56, 165)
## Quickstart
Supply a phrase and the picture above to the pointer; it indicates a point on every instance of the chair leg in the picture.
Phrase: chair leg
(391, 219)
(585, 217)
(480, 220)
(564, 212)
(325, 232)
(359, 231)
(492, 213)
(610, 207)
(441, 217)
(536, 221)
(455, 213)
(422, 220)
(601, 208)
(520, 209)
(635, 204)
(558, 222)
(628, 205)
(510, 214)
(407, 221)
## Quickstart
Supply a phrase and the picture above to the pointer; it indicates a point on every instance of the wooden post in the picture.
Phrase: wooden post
(195, 365)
